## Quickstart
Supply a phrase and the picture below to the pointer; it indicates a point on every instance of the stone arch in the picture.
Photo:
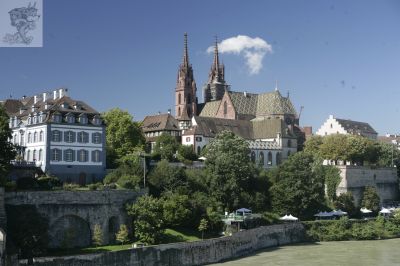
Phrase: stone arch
(69, 231)
(113, 228)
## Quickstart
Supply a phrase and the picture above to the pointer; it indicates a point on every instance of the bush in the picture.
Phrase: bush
(27, 183)
(48, 182)
(270, 218)
(129, 181)
(71, 186)
(96, 186)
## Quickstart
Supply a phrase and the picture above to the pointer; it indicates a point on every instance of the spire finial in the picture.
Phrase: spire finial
(216, 56)
(185, 51)
(276, 85)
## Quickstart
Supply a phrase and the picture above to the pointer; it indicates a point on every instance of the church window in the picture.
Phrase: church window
(253, 156)
(269, 161)
(278, 158)
(179, 98)
(179, 111)
(225, 108)
(261, 158)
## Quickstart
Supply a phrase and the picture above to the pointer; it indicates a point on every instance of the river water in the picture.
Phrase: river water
(365, 253)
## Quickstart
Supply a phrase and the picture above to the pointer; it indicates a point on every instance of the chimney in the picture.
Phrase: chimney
(62, 92)
(55, 95)
(46, 106)
(45, 96)
(307, 130)
(35, 99)
(245, 93)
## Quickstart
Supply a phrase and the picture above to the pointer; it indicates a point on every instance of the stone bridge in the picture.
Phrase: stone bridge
(72, 215)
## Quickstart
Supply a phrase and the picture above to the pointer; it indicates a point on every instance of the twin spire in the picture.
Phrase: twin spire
(185, 52)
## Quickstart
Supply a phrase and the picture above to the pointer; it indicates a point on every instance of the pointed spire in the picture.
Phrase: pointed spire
(216, 56)
(185, 52)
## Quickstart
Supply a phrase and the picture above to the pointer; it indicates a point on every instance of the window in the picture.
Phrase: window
(269, 161)
(189, 100)
(41, 136)
(179, 98)
(69, 136)
(179, 111)
(35, 135)
(56, 118)
(331, 126)
(278, 158)
(56, 135)
(96, 138)
(29, 137)
(34, 155)
(96, 156)
(35, 119)
(15, 138)
(29, 120)
(28, 155)
(96, 120)
(56, 155)
(82, 155)
(253, 156)
(225, 108)
(70, 119)
(198, 150)
(289, 143)
(40, 155)
(22, 139)
(69, 155)
(261, 158)
(187, 139)
(83, 119)
(288, 153)
(83, 137)
(199, 139)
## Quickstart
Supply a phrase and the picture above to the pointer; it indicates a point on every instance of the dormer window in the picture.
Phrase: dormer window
(83, 119)
(65, 105)
(29, 120)
(96, 120)
(70, 118)
(57, 118)
(41, 117)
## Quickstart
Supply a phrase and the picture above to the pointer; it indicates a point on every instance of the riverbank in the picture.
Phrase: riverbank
(355, 253)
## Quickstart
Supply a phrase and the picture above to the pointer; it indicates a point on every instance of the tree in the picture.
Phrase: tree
(176, 209)
(332, 180)
(229, 169)
(148, 223)
(122, 235)
(166, 146)
(27, 229)
(97, 235)
(298, 186)
(388, 154)
(360, 149)
(334, 147)
(345, 202)
(7, 149)
(185, 152)
(122, 135)
(203, 226)
(167, 178)
(370, 199)
(313, 145)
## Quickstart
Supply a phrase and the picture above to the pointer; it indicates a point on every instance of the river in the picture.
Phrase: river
(374, 252)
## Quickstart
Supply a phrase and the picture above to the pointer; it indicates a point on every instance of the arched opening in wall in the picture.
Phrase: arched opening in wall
(261, 159)
(198, 150)
(225, 108)
(289, 143)
(278, 158)
(82, 179)
(179, 98)
(253, 156)
(179, 111)
(69, 231)
(269, 161)
(113, 228)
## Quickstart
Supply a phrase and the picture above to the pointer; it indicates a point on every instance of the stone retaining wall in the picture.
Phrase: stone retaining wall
(190, 253)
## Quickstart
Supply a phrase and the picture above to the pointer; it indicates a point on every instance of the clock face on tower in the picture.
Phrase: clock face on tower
(288, 120)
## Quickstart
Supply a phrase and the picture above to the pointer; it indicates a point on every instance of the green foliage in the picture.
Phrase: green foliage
(332, 180)
(130, 181)
(49, 182)
(148, 221)
(71, 186)
(27, 230)
(122, 236)
(313, 145)
(167, 178)
(97, 235)
(166, 146)
(298, 186)
(96, 186)
(203, 226)
(345, 202)
(176, 209)
(186, 153)
(122, 135)
(270, 218)
(388, 152)
(229, 170)
(7, 149)
(370, 199)
(345, 229)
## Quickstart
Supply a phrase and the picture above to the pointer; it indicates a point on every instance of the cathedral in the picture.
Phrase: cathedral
(268, 121)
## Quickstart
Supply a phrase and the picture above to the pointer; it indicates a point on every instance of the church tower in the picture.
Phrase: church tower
(215, 87)
(185, 91)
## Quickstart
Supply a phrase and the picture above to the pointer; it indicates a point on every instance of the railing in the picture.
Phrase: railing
(23, 163)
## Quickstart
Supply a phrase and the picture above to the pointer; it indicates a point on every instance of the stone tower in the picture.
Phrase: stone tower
(185, 92)
(215, 87)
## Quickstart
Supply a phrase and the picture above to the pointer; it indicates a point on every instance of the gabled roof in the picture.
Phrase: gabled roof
(273, 103)
(266, 128)
(210, 109)
(161, 122)
(243, 102)
(355, 127)
(209, 127)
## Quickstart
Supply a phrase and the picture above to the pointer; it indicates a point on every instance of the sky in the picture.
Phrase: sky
(332, 57)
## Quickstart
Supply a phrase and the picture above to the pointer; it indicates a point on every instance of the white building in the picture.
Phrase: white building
(342, 126)
(62, 136)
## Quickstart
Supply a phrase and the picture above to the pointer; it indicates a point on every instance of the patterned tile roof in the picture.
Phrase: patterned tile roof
(244, 103)
(272, 103)
(209, 127)
(210, 109)
(265, 128)
(263, 145)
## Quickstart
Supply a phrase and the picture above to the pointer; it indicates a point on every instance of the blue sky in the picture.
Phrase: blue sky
(334, 57)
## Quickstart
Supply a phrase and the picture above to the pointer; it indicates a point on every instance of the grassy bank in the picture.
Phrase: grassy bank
(345, 229)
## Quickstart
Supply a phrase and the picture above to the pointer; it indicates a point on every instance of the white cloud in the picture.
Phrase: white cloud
(253, 50)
